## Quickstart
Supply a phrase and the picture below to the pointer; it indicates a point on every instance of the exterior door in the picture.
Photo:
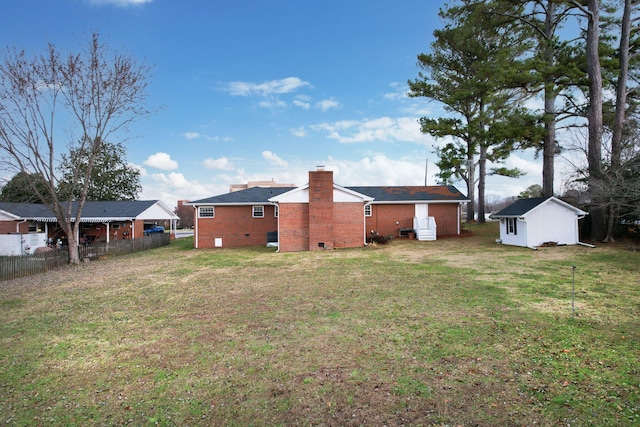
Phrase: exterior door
(422, 210)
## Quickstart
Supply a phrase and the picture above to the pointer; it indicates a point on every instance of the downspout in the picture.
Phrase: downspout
(18, 231)
(197, 231)
(365, 223)
(18, 225)
(276, 204)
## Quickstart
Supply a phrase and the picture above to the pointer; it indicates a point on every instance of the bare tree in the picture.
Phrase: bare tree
(53, 103)
(620, 115)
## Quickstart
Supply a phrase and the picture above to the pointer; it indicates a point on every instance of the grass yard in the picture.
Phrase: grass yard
(455, 332)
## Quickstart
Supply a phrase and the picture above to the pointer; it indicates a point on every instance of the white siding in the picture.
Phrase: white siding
(156, 212)
(519, 239)
(551, 222)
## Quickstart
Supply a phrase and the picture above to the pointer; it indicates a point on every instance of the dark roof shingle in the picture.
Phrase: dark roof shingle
(246, 196)
(411, 193)
(520, 207)
(91, 209)
(379, 194)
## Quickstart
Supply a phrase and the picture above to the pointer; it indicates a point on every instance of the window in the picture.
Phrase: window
(206, 212)
(367, 210)
(276, 210)
(258, 212)
(512, 226)
(36, 227)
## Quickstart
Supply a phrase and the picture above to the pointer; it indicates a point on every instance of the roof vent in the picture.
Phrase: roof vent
(320, 167)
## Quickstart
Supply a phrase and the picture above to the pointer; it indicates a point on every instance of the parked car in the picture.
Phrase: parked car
(154, 229)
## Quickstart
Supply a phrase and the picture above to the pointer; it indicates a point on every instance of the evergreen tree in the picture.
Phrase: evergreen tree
(24, 188)
(473, 60)
(111, 177)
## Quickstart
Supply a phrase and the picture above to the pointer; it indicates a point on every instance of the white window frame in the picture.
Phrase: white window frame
(512, 226)
(276, 210)
(206, 210)
(368, 210)
(257, 211)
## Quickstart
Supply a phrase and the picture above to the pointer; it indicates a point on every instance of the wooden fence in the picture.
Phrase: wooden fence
(12, 267)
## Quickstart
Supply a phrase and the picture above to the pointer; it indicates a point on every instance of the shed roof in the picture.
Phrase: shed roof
(522, 206)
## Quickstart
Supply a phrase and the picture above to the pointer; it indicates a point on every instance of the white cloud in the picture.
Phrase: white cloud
(174, 186)
(400, 92)
(161, 161)
(377, 169)
(220, 164)
(327, 104)
(385, 129)
(192, 135)
(274, 103)
(273, 159)
(121, 3)
(301, 104)
(299, 132)
(268, 88)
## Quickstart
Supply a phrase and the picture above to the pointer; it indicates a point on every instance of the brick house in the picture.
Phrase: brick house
(323, 215)
(102, 221)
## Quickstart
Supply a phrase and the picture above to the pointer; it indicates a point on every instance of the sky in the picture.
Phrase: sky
(250, 90)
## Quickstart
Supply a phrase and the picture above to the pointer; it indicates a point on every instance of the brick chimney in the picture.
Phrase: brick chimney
(320, 209)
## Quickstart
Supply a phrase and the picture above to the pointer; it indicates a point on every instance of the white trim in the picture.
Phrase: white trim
(253, 211)
(213, 212)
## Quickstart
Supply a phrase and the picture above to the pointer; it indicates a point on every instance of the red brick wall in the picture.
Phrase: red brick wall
(294, 227)
(7, 227)
(348, 225)
(321, 210)
(236, 226)
(446, 218)
(384, 217)
(138, 229)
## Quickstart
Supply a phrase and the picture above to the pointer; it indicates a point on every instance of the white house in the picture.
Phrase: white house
(532, 222)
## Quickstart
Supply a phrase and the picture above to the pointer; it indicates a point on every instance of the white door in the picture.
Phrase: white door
(422, 210)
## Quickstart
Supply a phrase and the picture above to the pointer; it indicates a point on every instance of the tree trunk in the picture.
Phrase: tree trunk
(594, 115)
(549, 145)
(471, 171)
(482, 174)
(620, 113)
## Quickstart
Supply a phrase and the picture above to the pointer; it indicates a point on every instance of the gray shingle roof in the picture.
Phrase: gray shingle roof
(251, 195)
(257, 195)
(520, 207)
(92, 210)
(412, 193)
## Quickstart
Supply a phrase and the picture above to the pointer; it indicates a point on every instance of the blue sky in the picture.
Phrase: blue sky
(251, 90)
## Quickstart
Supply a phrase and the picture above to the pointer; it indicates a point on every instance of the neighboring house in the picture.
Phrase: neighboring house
(324, 215)
(35, 225)
(533, 222)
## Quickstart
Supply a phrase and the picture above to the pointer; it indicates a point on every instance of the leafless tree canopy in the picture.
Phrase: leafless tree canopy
(53, 103)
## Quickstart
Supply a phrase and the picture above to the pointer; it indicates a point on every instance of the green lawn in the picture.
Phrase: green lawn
(460, 331)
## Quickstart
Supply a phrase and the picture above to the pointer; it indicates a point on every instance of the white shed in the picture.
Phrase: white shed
(533, 222)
